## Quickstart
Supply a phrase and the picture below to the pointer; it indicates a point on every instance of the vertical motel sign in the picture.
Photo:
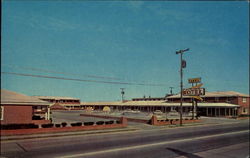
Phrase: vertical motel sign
(194, 90)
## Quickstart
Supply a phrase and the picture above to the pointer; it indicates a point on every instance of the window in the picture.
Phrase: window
(244, 100)
(1, 112)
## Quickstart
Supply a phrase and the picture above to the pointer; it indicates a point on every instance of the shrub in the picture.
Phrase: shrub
(88, 123)
(73, 124)
(50, 125)
(58, 125)
(100, 122)
(78, 124)
(36, 117)
(64, 124)
(186, 118)
(118, 122)
(109, 122)
(33, 126)
(167, 119)
(18, 126)
(176, 119)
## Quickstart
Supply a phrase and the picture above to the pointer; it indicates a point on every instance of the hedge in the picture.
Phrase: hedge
(88, 123)
(18, 126)
(50, 125)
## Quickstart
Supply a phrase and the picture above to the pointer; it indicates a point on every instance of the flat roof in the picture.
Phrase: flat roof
(154, 103)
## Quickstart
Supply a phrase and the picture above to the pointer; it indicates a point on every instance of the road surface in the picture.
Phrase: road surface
(222, 141)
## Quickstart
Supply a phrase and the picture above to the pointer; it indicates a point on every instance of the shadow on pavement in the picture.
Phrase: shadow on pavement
(182, 153)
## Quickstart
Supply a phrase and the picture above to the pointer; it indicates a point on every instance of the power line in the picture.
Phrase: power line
(81, 80)
(60, 72)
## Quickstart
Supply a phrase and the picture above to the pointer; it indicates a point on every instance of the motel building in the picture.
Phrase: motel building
(215, 104)
(68, 103)
(18, 108)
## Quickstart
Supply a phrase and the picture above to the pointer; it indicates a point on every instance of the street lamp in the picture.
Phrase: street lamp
(182, 65)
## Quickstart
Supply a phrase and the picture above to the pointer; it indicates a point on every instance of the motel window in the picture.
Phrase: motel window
(1, 112)
(216, 99)
(244, 100)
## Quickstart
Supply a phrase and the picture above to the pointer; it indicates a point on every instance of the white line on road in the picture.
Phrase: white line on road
(147, 145)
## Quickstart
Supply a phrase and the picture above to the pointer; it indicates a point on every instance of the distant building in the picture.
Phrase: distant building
(66, 102)
(213, 104)
(18, 108)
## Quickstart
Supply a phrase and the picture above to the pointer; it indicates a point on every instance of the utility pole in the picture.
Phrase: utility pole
(122, 93)
(182, 65)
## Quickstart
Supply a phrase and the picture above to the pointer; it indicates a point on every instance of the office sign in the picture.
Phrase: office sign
(194, 80)
(193, 91)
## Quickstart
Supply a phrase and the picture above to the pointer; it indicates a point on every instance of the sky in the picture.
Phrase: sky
(131, 43)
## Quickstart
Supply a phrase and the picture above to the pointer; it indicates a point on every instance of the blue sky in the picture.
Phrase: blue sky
(123, 41)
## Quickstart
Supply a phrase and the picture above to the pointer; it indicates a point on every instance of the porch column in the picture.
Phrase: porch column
(48, 114)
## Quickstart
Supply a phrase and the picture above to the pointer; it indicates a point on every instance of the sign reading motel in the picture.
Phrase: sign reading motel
(193, 91)
(194, 80)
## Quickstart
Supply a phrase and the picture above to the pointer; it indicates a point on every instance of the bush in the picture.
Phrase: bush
(186, 118)
(109, 122)
(36, 117)
(33, 126)
(18, 126)
(176, 119)
(64, 124)
(167, 119)
(73, 124)
(58, 125)
(50, 125)
(88, 123)
(100, 122)
(118, 122)
(78, 124)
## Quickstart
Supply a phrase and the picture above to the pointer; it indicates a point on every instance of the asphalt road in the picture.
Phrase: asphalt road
(223, 141)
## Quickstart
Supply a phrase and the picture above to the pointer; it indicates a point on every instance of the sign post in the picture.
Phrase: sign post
(195, 91)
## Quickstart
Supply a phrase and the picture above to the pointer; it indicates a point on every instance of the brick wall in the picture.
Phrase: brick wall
(16, 114)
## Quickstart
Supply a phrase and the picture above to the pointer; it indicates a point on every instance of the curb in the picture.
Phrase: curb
(77, 133)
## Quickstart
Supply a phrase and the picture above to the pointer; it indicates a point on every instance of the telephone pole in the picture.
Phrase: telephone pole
(182, 65)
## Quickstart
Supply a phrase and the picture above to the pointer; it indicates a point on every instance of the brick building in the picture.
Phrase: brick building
(231, 97)
(18, 108)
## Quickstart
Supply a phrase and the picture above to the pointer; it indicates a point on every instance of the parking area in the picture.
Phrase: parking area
(74, 116)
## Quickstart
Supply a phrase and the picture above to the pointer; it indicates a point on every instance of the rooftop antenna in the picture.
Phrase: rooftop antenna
(122, 93)
(171, 92)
